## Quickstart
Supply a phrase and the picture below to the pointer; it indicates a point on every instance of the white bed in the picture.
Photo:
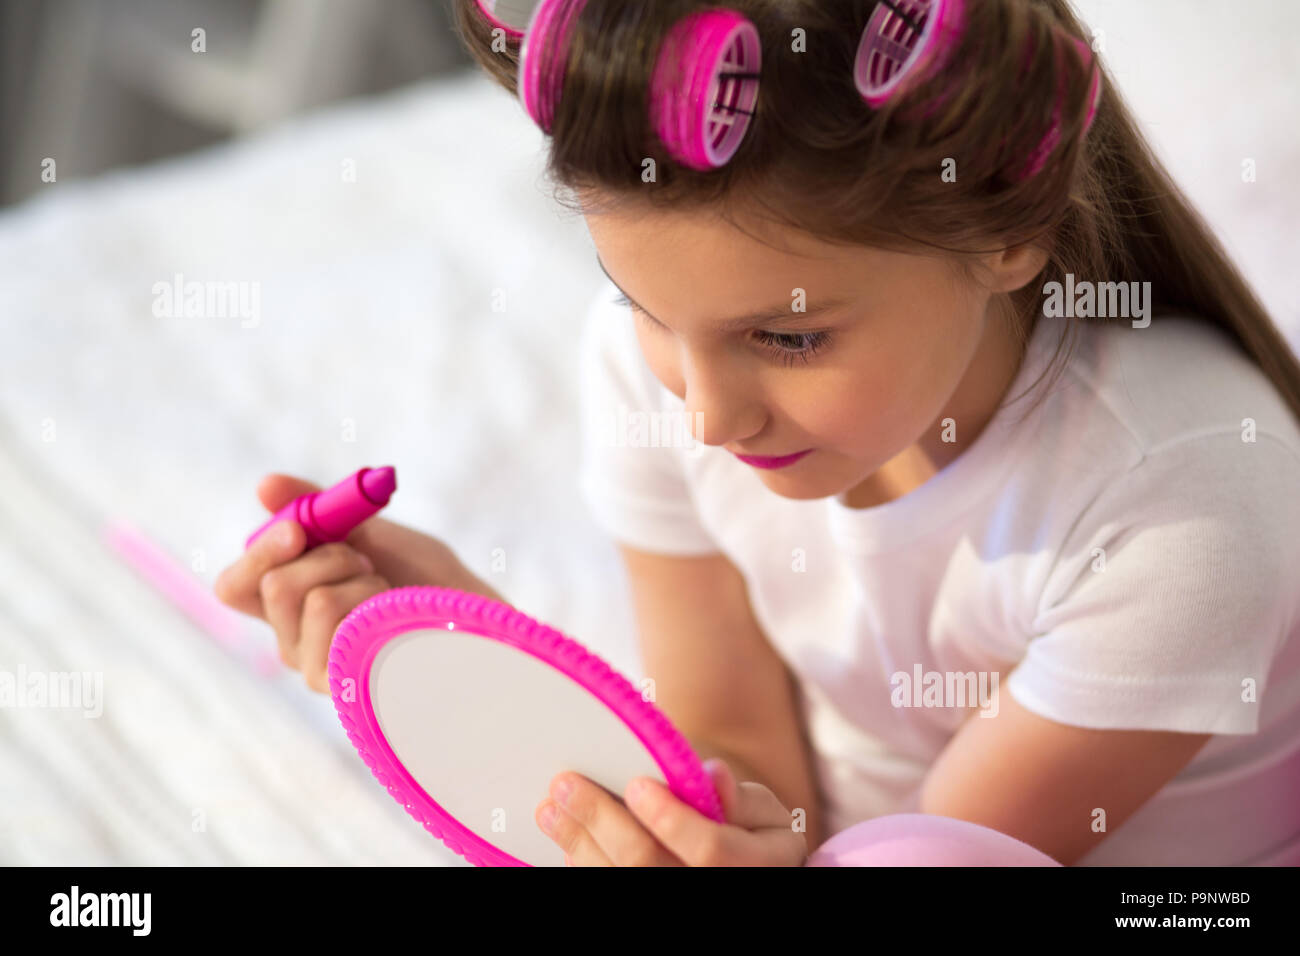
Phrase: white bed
(376, 308)
(376, 324)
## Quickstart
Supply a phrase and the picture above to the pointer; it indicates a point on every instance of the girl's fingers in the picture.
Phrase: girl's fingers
(698, 841)
(284, 588)
(580, 848)
(592, 813)
(692, 837)
(275, 490)
(748, 805)
(758, 807)
(780, 847)
(239, 585)
(405, 557)
(324, 608)
(655, 828)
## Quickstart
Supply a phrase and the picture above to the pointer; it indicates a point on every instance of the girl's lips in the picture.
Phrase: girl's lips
(779, 462)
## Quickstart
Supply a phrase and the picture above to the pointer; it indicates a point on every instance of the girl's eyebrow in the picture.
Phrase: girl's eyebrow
(742, 323)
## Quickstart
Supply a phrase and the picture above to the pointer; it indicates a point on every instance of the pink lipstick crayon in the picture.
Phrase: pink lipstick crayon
(332, 513)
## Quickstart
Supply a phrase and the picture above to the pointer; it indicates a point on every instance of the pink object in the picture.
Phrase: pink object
(704, 87)
(780, 461)
(922, 839)
(331, 514)
(391, 614)
(489, 9)
(549, 27)
(186, 592)
(1038, 157)
(894, 57)
(702, 91)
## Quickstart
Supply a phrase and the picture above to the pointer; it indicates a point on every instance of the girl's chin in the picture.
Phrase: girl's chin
(788, 483)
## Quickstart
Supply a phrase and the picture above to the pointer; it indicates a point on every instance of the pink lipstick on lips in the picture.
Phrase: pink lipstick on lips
(759, 461)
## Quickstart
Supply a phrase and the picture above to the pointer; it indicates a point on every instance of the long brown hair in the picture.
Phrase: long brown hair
(818, 159)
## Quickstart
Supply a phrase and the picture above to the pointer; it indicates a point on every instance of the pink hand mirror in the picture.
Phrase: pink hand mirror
(465, 708)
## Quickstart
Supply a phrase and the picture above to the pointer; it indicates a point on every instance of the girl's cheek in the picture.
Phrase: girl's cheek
(663, 365)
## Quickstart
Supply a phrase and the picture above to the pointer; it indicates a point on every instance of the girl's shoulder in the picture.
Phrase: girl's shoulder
(1177, 378)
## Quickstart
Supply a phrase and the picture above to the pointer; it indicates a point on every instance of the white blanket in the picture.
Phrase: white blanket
(376, 343)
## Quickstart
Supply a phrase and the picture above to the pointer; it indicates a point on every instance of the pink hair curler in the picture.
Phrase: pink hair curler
(704, 87)
(465, 708)
(509, 15)
(1049, 142)
(904, 43)
(541, 77)
(907, 41)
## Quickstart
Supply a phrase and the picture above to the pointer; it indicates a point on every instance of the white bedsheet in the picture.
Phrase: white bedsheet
(377, 344)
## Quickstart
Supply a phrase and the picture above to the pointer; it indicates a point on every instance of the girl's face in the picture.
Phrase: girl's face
(854, 355)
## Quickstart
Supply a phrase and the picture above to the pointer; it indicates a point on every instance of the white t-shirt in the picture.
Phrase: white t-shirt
(992, 566)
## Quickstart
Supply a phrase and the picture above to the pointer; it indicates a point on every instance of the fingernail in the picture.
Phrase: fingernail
(562, 791)
(284, 534)
(367, 564)
(548, 817)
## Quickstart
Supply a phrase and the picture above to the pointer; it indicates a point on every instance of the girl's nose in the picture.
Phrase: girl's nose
(719, 405)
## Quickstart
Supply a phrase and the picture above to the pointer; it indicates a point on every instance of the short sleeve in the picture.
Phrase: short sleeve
(1173, 594)
(636, 492)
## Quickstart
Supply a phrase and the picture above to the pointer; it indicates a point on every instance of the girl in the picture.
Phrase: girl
(973, 399)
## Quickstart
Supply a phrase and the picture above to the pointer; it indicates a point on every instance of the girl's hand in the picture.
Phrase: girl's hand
(306, 596)
(651, 827)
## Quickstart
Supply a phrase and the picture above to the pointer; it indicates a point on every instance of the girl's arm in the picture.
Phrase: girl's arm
(1043, 782)
(716, 676)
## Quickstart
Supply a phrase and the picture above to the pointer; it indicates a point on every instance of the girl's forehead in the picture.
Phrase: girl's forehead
(653, 242)
(736, 229)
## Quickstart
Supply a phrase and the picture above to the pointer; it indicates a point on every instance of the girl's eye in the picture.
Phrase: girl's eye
(787, 346)
(794, 346)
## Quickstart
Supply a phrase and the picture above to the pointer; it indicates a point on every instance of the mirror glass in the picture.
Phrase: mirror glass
(514, 15)
(483, 728)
